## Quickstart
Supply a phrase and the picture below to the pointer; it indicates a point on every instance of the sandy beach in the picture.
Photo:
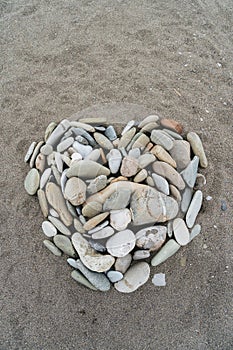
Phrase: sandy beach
(173, 58)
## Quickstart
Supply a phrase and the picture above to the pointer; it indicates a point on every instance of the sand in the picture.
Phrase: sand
(60, 57)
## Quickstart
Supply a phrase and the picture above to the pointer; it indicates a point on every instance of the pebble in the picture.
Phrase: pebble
(175, 193)
(72, 262)
(52, 248)
(46, 150)
(122, 264)
(32, 181)
(180, 152)
(134, 278)
(35, 153)
(151, 238)
(75, 191)
(85, 126)
(129, 167)
(166, 170)
(126, 138)
(103, 233)
(78, 277)
(30, 151)
(172, 124)
(136, 136)
(58, 132)
(103, 141)
(147, 120)
(134, 153)
(91, 209)
(200, 181)
(43, 202)
(93, 222)
(149, 127)
(163, 155)
(169, 249)
(119, 219)
(64, 145)
(59, 225)
(194, 208)
(161, 184)
(181, 232)
(44, 177)
(59, 162)
(223, 206)
(87, 169)
(98, 280)
(186, 199)
(197, 148)
(114, 276)
(97, 184)
(195, 231)
(170, 228)
(53, 213)
(78, 226)
(94, 155)
(64, 244)
(141, 254)
(159, 280)
(99, 227)
(40, 162)
(84, 150)
(161, 139)
(141, 176)
(63, 180)
(189, 174)
(83, 133)
(114, 158)
(110, 133)
(90, 258)
(49, 229)
(81, 140)
(118, 199)
(95, 120)
(49, 130)
(121, 243)
(128, 126)
(141, 142)
(173, 134)
(56, 200)
(146, 159)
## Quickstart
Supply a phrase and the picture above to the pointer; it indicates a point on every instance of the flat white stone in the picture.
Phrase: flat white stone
(159, 138)
(99, 227)
(49, 229)
(169, 249)
(141, 254)
(52, 248)
(82, 149)
(128, 126)
(58, 161)
(32, 181)
(44, 177)
(150, 119)
(114, 276)
(181, 232)
(195, 231)
(114, 158)
(65, 144)
(119, 219)
(121, 243)
(189, 174)
(46, 150)
(59, 225)
(161, 183)
(159, 280)
(194, 208)
(122, 264)
(104, 233)
(134, 278)
(29, 151)
(72, 262)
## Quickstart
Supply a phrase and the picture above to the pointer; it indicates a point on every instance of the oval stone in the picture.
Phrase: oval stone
(75, 191)
(121, 243)
(32, 181)
(49, 229)
(134, 278)
(181, 232)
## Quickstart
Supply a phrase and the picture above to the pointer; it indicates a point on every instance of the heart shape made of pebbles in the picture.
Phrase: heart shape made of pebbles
(115, 202)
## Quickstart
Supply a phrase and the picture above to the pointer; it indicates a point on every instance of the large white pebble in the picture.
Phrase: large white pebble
(134, 278)
(181, 232)
(49, 229)
(121, 243)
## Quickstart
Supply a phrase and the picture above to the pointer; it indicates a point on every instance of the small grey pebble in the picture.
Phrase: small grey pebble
(223, 206)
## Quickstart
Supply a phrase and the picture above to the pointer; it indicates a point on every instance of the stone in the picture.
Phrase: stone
(200, 181)
(119, 178)
(103, 233)
(99, 227)
(134, 278)
(119, 219)
(93, 222)
(149, 205)
(173, 134)
(122, 264)
(189, 174)
(84, 150)
(181, 232)
(51, 247)
(128, 126)
(114, 158)
(46, 150)
(175, 193)
(97, 184)
(141, 142)
(194, 208)
(89, 257)
(75, 191)
(195, 231)
(81, 132)
(150, 181)
(30, 151)
(49, 130)
(146, 159)
(44, 177)
(87, 169)
(56, 200)
(32, 181)
(49, 229)
(151, 238)
(126, 138)
(159, 138)
(180, 152)
(59, 225)
(161, 183)
(163, 155)
(114, 276)
(81, 140)
(40, 162)
(121, 243)
(56, 175)
(95, 120)
(78, 277)
(110, 133)
(197, 148)
(58, 161)
(119, 199)
(149, 119)
(134, 139)
(186, 199)
(58, 132)
(172, 124)
(103, 141)
(72, 262)
(159, 280)
(170, 228)
(94, 155)
(167, 171)
(63, 180)
(35, 153)
(78, 226)
(169, 249)
(53, 213)
(43, 202)
(85, 126)
(141, 254)
(129, 166)
(91, 209)
(65, 144)
(64, 244)
(149, 127)
(141, 176)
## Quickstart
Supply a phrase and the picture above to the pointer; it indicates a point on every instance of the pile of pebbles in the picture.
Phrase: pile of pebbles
(114, 204)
